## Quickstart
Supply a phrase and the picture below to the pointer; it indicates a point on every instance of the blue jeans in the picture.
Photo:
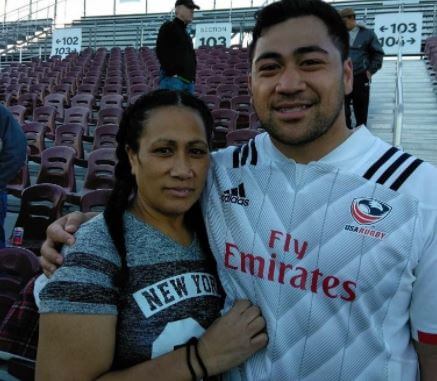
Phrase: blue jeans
(3, 209)
(175, 83)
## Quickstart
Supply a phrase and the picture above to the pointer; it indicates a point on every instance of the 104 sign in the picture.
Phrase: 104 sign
(404, 29)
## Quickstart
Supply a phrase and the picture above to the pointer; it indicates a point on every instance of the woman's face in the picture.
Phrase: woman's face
(172, 162)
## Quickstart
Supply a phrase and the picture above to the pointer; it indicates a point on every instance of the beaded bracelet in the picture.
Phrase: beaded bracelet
(199, 360)
(190, 366)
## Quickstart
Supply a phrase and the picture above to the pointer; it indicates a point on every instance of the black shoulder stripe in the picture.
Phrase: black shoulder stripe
(254, 152)
(372, 170)
(392, 168)
(405, 174)
(245, 154)
(236, 157)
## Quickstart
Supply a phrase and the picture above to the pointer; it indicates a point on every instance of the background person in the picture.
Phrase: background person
(174, 48)
(12, 158)
(332, 231)
(367, 55)
(137, 283)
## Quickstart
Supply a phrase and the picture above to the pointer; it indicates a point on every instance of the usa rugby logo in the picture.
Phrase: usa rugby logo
(367, 211)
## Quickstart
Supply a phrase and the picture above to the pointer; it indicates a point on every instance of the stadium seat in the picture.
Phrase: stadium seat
(41, 204)
(95, 200)
(83, 100)
(104, 136)
(70, 135)
(46, 116)
(18, 111)
(34, 132)
(100, 173)
(57, 101)
(109, 115)
(57, 167)
(111, 100)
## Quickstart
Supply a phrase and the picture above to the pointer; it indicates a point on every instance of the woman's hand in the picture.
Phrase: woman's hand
(234, 337)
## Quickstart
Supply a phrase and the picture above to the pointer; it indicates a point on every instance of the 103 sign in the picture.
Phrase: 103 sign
(399, 29)
(213, 34)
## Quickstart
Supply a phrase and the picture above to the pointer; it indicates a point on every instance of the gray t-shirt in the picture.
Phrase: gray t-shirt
(170, 295)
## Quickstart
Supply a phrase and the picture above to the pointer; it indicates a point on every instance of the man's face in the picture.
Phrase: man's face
(185, 13)
(298, 82)
(349, 22)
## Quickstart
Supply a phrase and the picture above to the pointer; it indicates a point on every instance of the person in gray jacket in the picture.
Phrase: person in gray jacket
(12, 158)
(366, 54)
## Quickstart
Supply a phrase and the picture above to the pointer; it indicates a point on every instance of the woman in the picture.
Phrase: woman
(136, 286)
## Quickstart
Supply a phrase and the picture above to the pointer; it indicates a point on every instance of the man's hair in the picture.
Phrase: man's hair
(283, 10)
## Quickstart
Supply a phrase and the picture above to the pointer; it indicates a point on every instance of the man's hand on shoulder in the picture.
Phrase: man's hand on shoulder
(60, 233)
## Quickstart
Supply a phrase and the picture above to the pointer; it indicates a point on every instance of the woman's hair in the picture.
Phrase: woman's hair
(132, 124)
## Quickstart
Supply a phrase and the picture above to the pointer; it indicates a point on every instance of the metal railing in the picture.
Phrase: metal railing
(399, 96)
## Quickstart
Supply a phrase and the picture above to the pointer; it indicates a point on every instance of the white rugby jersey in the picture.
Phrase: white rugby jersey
(339, 254)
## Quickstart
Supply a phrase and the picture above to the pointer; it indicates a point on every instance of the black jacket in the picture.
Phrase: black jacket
(366, 52)
(175, 51)
(12, 147)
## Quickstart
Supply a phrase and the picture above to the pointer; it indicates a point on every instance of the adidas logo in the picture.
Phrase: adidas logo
(235, 196)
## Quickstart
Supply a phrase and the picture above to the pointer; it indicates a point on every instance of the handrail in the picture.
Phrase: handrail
(399, 97)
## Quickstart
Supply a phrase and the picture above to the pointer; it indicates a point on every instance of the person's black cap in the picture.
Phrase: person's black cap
(187, 3)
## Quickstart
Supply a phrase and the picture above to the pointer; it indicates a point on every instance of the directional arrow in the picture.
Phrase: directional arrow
(411, 41)
(58, 41)
(383, 28)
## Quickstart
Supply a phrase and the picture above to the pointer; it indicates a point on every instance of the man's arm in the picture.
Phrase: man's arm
(13, 150)
(428, 360)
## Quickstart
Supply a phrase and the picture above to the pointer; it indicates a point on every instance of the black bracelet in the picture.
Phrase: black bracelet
(190, 366)
(199, 360)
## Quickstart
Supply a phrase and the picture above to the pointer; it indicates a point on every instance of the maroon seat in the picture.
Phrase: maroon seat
(78, 115)
(41, 204)
(65, 89)
(112, 89)
(18, 111)
(226, 92)
(57, 167)
(40, 89)
(95, 200)
(111, 100)
(30, 101)
(225, 120)
(100, 173)
(109, 115)
(34, 132)
(212, 101)
(240, 137)
(243, 105)
(70, 135)
(83, 100)
(87, 88)
(136, 89)
(46, 116)
(104, 136)
(58, 102)
(17, 266)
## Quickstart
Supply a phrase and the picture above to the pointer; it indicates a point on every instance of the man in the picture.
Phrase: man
(330, 231)
(12, 158)
(175, 51)
(367, 55)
